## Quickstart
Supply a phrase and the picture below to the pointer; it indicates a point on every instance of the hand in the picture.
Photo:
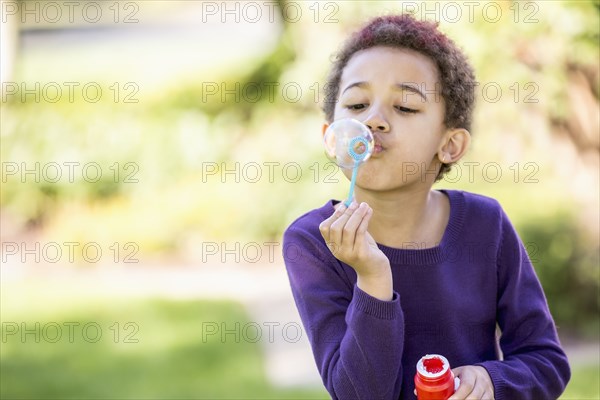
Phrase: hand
(345, 233)
(475, 383)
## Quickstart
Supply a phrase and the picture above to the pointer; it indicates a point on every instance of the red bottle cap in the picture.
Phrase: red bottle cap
(434, 380)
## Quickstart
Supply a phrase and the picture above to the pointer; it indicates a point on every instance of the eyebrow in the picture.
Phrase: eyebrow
(411, 88)
(400, 86)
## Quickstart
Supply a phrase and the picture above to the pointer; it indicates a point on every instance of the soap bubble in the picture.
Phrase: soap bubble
(348, 142)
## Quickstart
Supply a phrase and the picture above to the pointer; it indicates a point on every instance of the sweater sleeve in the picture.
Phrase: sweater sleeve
(534, 365)
(356, 339)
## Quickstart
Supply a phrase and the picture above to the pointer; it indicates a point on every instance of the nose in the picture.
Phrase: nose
(377, 122)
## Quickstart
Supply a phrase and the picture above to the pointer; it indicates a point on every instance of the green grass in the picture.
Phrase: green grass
(584, 384)
(167, 357)
(171, 359)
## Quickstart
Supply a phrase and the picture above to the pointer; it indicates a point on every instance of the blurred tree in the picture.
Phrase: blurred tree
(173, 135)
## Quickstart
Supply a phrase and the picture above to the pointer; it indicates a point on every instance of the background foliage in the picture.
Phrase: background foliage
(543, 131)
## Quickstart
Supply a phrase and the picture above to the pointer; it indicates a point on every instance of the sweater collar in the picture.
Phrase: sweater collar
(431, 255)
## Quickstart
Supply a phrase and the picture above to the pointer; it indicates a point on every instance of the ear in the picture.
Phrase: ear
(325, 126)
(454, 145)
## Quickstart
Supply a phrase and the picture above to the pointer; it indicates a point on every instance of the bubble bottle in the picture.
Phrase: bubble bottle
(434, 380)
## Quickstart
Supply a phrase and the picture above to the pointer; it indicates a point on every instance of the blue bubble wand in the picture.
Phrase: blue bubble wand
(357, 143)
(349, 143)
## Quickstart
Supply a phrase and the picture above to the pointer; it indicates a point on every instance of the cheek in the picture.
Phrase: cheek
(407, 150)
(340, 112)
(418, 137)
(377, 172)
(377, 177)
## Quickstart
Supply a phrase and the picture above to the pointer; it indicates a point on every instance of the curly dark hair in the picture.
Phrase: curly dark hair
(405, 32)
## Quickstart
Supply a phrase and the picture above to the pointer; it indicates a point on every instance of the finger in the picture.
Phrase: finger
(467, 383)
(353, 224)
(364, 225)
(457, 371)
(325, 226)
(487, 395)
(336, 228)
(478, 390)
(338, 212)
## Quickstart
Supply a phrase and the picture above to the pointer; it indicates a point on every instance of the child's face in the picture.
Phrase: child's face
(380, 87)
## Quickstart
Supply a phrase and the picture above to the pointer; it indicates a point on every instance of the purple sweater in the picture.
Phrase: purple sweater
(447, 300)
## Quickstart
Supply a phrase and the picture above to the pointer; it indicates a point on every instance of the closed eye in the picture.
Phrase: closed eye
(356, 107)
(406, 110)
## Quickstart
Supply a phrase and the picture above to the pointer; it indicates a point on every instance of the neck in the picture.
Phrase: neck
(405, 218)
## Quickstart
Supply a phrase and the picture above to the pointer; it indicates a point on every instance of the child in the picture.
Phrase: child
(405, 270)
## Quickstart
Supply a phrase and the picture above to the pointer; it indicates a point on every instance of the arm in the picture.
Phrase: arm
(534, 365)
(357, 339)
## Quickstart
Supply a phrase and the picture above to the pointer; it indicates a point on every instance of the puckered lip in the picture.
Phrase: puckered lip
(378, 146)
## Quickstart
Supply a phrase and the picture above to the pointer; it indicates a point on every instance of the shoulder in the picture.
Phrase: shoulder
(305, 252)
(476, 217)
(304, 230)
(486, 220)
(309, 222)
(478, 207)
